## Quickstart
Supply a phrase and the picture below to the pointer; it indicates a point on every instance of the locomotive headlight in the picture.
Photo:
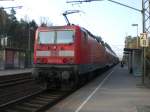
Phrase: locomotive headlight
(41, 60)
(38, 60)
(68, 60)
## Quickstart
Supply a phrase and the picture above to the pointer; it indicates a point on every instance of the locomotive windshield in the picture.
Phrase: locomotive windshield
(46, 37)
(64, 36)
(56, 37)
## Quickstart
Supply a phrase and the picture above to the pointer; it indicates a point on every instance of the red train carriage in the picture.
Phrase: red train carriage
(112, 58)
(63, 54)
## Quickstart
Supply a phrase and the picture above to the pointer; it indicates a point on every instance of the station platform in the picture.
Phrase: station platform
(15, 71)
(113, 91)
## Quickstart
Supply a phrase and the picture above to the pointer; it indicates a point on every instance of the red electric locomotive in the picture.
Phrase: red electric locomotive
(64, 54)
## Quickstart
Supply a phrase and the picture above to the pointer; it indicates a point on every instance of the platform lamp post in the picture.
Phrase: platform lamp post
(137, 38)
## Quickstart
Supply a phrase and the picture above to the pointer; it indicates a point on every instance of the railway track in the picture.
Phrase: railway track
(16, 87)
(20, 93)
(36, 103)
(7, 81)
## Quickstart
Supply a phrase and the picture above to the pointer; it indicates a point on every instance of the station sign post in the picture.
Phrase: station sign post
(144, 42)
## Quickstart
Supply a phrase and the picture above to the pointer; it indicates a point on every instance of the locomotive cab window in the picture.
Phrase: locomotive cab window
(46, 37)
(56, 37)
(66, 36)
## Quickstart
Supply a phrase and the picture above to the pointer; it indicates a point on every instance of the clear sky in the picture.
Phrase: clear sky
(110, 21)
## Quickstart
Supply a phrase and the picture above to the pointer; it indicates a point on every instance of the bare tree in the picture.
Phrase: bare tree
(44, 21)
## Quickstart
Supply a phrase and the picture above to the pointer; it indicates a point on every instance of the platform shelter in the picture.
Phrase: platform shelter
(133, 58)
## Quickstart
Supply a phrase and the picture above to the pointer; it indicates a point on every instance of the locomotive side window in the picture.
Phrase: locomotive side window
(66, 36)
(85, 35)
(46, 37)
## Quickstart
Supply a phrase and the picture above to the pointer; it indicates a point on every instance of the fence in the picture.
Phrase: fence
(13, 58)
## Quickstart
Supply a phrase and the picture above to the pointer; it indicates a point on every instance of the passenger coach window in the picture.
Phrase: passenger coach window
(46, 37)
(65, 36)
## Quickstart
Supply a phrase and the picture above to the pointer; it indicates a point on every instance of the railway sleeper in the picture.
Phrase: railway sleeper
(40, 102)
(32, 105)
(43, 99)
(11, 110)
(22, 108)
(49, 97)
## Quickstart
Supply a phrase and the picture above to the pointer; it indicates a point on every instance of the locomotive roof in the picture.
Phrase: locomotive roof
(98, 38)
(59, 27)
